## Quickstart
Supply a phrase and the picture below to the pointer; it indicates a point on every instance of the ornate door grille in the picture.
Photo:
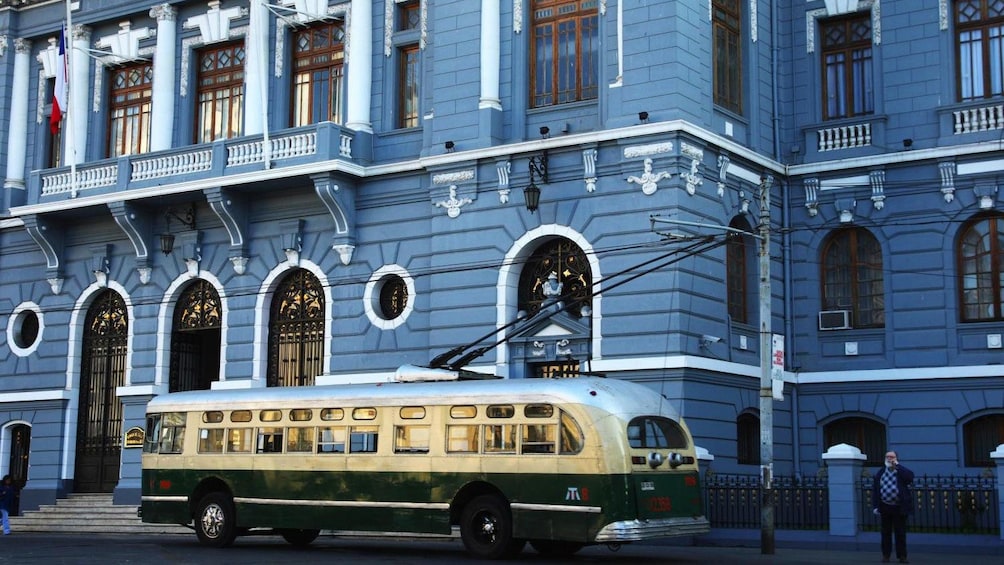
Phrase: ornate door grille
(20, 448)
(99, 420)
(195, 339)
(296, 331)
(559, 256)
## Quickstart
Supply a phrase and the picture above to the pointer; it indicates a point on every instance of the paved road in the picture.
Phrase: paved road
(65, 549)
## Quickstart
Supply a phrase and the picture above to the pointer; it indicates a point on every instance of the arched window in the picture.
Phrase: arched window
(981, 268)
(863, 433)
(852, 277)
(980, 437)
(564, 258)
(296, 331)
(195, 338)
(737, 256)
(748, 439)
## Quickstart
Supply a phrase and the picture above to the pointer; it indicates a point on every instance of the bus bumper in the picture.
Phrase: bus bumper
(637, 530)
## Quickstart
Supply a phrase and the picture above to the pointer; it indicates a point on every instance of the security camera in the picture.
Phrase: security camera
(710, 338)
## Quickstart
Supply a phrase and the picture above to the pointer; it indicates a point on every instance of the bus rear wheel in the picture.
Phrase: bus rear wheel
(555, 548)
(216, 520)
(299, 538)
(486, 529)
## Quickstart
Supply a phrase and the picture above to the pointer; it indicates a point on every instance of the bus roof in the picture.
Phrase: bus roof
(616, 396)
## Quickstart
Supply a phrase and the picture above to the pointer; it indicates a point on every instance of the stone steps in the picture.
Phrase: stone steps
(89, 513)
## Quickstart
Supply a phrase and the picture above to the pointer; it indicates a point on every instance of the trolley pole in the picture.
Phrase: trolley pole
(766, 385)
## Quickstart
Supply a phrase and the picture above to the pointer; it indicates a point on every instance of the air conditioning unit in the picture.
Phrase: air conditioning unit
(835, 320)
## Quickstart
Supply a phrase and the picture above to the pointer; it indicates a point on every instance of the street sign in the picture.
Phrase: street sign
(777, 366)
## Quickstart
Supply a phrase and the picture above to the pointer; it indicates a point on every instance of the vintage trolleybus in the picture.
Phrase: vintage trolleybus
(558, 463)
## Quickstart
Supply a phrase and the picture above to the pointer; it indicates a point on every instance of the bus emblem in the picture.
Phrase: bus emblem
(647, 485)
(573, 494)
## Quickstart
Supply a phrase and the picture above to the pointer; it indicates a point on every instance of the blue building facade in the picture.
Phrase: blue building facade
(238, 194)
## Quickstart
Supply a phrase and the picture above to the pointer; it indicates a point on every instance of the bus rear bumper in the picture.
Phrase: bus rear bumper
(638, 530)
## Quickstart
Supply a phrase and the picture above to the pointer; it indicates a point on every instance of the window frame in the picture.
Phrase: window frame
(852, 81)
(548, 20)
(737, 271)
(306, 63)
(867, 432)
(748, 438)
(976, 453)
(137, 95)
(726, 54)
(235, 85)
(989, 289)
(850, 238)
(965, 77)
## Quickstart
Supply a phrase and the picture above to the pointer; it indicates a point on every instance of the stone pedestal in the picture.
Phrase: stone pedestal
(844, 463)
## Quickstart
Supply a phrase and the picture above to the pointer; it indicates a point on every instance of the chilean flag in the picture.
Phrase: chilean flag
(59, 93)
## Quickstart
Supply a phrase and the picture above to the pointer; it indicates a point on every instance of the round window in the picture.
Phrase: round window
(26, 329)
(393, 296)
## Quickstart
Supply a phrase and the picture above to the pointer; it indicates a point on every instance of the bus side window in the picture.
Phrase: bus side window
(239, 440)
(152, 440)
(172, 432)
(500, 438)
(299, 440)
(572, 439)
(269, 440)
(363, 439)
(211, 440)
(538, 438)
(462, 439)
(411, 439)
(331, 440)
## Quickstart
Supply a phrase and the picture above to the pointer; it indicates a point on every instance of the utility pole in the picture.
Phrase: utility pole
(766, 384)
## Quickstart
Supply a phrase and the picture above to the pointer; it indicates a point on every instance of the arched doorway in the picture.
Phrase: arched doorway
(99, 419)
(296, 331)
(20, 449)
(195, 338)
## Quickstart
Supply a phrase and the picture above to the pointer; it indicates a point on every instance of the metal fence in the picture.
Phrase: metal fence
(944, 504)
(733, 501)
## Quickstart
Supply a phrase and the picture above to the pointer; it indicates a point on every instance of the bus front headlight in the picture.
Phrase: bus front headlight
(675, 460)
(654, 459)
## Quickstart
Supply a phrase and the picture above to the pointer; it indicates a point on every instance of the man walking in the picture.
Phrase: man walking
(7, 493)
(892, 500)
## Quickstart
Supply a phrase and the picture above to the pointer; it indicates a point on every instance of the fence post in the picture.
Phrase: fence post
(844, 464)
(998, 457)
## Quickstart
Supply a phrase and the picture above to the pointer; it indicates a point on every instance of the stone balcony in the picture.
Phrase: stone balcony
(306, 149)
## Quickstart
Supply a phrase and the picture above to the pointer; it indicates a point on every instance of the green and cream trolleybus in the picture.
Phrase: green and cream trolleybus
(558, 463)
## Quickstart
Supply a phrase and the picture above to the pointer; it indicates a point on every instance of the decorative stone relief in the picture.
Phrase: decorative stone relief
(753, 18)
(812, 15)
(589, 168)
(635, 151)
(388, 26)
(723, 171)
(503, 168)
(943, 15)
(3, 46)
(986, 192)
(649, 181)
(453, 177)
(517, 16)
(55, 284)
(877, 179)
(947, 170)
(240, 264)
(453, 204)
(214, 26)
(344, 252)
(693, 178)
(845, 208)
(811, 191)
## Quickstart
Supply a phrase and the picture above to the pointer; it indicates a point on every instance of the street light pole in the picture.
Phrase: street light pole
(766, 384)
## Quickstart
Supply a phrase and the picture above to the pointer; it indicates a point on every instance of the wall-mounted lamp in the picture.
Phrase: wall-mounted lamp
(167, 238)
(907, 143)
(643, 117)
(538, 169)
(450, 146)
(545, 132)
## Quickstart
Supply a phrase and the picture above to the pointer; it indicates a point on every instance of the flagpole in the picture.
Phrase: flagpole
(69, 145)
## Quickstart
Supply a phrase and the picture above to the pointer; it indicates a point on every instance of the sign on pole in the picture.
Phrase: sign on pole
(777, 366)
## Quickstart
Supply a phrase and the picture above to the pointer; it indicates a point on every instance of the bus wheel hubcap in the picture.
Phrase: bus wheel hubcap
(212, 520)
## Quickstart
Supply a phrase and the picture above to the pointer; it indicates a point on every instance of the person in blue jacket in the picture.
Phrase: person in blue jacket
(7, 493)
(892, 500)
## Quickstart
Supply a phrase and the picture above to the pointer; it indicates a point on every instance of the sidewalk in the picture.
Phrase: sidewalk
(865, 541)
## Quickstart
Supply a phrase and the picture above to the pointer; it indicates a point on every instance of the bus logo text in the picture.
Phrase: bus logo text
(647, 485)
(575, 493)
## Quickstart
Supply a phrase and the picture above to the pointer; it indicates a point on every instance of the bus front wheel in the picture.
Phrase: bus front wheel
(299, 538)
(486, 528)
(215, 521)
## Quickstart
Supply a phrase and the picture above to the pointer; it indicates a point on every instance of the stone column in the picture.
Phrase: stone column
(998, 457)
(360, 63)
(17, 132)
(255, 96)
(165, 55)
(844, 463)
(490, 55)
(80, 89)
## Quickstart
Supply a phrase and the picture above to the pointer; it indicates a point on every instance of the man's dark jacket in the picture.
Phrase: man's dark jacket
(904, 479)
